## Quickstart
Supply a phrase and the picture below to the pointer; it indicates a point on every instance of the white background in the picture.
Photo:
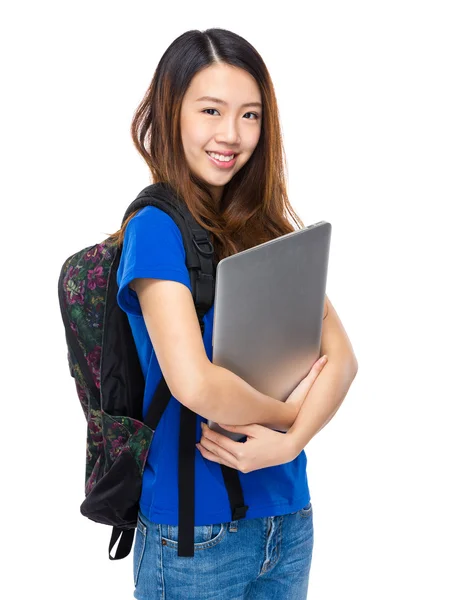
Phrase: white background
(368, 100)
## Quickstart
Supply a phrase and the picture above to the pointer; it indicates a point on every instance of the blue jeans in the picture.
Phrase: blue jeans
(267, 558)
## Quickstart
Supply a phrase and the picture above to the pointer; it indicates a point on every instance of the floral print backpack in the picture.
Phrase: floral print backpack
(104, 363)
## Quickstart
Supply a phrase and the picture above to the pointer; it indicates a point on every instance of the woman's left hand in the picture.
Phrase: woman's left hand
(264, 447)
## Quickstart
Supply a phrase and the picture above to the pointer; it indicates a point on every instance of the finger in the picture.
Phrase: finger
(314, 372)
(322, 360)
(218, 450)
(214, 458)
(221, 440)
(319, 364)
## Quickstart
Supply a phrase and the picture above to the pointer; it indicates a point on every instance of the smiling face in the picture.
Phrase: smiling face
(232, 124)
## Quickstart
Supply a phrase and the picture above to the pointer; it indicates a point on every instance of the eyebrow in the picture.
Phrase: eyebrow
(219, 101)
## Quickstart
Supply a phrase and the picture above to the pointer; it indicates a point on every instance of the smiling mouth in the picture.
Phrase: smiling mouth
(223, 164)
(233, 154)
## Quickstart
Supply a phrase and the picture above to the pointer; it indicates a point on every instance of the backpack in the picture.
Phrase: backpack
(103, 360)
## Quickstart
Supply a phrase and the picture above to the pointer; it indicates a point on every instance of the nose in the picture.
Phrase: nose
(228, 132)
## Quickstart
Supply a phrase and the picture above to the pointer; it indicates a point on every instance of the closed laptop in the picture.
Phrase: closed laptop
(268, 313)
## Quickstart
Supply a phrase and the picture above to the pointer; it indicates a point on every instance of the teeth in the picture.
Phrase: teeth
(221, 157)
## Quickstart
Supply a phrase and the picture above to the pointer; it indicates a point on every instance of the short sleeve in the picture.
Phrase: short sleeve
(153, 247)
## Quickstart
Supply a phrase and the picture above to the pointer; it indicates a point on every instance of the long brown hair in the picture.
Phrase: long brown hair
(254, 206)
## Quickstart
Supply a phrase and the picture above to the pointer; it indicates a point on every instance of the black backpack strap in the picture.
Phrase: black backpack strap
(125, 543)
(235, 492)
(201, 264)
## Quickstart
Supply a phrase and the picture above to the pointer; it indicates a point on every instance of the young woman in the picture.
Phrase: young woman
(209, 126)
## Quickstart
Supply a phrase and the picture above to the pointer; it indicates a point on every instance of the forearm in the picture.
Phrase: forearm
(323, 400)
(227, 398)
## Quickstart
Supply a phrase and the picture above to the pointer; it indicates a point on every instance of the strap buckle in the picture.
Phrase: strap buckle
(239, 512)
(206, 253)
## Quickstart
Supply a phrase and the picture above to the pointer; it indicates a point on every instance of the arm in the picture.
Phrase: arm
(233, 401)
(330, 388)
(266, 448)
(227, 398)
(207, 389)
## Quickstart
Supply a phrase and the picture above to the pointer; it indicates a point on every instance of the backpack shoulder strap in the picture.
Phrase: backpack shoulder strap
(199, 251)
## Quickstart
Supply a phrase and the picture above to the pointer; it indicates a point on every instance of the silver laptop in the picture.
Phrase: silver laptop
(268, 313)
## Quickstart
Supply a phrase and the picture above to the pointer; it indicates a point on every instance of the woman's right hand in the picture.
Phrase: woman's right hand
(299, 394)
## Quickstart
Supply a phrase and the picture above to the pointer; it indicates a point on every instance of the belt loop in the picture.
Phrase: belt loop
(233, 526)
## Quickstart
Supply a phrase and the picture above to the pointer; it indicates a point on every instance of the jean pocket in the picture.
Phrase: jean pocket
(139, 547)
(205, 536)
(306, 511)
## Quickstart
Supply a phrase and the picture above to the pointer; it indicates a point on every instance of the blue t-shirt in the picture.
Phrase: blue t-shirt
(153, 247)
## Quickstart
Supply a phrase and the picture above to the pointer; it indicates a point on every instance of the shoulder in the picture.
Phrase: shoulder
(150, 215)
(154, 225)
(153, 246)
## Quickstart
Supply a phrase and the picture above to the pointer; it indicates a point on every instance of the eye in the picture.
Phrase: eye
(248, 113)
